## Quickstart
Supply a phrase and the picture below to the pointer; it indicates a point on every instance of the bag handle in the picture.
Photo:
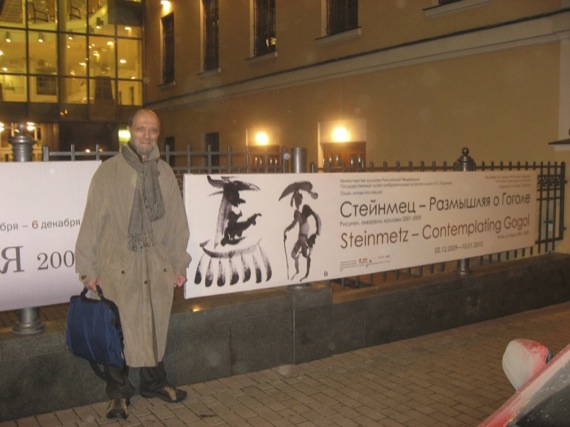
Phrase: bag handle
(99, 292)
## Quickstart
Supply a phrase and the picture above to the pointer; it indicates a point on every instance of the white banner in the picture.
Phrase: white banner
(257, 231)
(40, 214)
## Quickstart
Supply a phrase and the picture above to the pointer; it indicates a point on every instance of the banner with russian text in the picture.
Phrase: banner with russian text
(41, 209)
(258, 231)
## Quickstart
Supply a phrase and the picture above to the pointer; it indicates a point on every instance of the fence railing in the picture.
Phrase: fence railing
(550, 192)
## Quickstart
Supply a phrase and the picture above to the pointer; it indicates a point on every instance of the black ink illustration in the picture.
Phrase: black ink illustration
(234, 253)
(301, 217)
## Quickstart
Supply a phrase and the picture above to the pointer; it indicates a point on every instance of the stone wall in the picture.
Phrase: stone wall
(233, 334)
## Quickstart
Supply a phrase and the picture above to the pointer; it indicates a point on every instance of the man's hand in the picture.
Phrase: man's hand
(179, 281)
(92, 284)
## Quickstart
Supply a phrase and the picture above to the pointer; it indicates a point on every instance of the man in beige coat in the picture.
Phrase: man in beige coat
(132, 243)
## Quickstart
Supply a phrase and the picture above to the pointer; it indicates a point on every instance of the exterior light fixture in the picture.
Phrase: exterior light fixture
(340, 134)
(99, 23)
(7, 37)
(124, 136)
(261, 138)
(166, 6)
(41, 38)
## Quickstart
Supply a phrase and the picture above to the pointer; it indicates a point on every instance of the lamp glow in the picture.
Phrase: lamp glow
(261, 138)
(340, 134)
(166, 6)
(124, 135)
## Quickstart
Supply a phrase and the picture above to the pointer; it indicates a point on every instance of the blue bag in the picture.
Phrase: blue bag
(94, 330)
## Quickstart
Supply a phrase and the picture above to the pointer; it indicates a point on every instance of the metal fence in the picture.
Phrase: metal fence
(550, 188)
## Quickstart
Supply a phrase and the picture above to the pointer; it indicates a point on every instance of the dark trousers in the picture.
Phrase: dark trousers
(119, 386)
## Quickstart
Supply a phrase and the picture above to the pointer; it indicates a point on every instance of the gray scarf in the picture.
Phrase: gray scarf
(147, 203)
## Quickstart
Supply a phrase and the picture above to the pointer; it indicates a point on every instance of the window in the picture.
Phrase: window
(168, 48)
(46, 85)
(342, 15)
(264, 27)
(211, 42)
(71, 52)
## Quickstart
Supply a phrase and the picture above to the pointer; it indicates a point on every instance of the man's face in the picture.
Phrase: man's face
(144, 132)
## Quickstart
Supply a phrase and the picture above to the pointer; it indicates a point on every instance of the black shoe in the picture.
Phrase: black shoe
(166, 393)
(118, 408)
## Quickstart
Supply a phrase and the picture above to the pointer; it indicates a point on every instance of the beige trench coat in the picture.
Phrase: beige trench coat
(140, 283)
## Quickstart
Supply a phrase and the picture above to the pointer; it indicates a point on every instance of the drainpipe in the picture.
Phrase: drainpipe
(28, 319)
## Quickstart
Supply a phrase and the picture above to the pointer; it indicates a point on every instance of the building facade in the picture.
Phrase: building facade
(71, 69)
(354, 81)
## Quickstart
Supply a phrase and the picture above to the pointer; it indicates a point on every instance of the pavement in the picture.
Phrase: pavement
(449, 378)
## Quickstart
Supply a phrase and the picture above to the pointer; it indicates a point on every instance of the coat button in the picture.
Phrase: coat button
(122, 271)
(165, 270)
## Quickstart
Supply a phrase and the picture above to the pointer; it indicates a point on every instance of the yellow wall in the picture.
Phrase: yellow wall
(503, 106)
(383, 24)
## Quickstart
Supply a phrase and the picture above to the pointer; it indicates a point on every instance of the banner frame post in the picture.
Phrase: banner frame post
(464, 163)
(299, 157)
(28, 322)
